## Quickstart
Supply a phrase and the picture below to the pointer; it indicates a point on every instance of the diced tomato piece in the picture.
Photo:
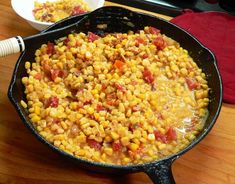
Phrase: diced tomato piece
(56, 120)
(160, 43)
(38, 76)
(88, 102)
(145, 56)
(104, 86)
(120, 87)
(171, 134)
(190, 69)
(92, 117)
(77, 10)
(92, 37)
(192, 84)
(66, 41)
(148, 76)
(116, 146)
(160, 137)
(153, 30)
(50, 48)
(99, 108)
(111, 97)
(140, 41)
(94, 144)
(111, 102)
(52, 102)
(56, 73)
(46, 67)
(119, 64)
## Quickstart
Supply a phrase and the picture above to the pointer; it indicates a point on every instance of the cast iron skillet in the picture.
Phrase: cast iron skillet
(121, 20)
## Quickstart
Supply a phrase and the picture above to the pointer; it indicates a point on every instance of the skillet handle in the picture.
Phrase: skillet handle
(11, 46)
(160, 172)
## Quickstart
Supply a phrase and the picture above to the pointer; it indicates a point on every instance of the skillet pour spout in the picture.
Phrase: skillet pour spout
(118, 19)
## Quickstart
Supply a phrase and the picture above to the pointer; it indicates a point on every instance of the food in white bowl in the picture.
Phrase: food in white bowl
(59, 9)
(24, 9)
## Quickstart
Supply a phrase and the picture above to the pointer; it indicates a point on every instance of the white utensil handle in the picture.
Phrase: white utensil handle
(11, 46)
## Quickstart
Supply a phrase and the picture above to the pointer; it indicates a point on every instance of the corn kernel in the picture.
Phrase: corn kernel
(35, 119)
(22, 102)
(126, 160)
(125, 141)
(27, 65)
(162, 146)
(114, 135)
(108, 151)
(90, 110)
(133, 146)
(80, 152)
(37, 110)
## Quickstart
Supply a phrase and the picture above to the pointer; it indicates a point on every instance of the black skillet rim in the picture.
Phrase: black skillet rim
(132, 167)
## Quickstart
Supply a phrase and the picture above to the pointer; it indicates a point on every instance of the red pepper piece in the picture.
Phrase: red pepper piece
(116, 146)
(148, 76)
(66, 41)
(171, 134)
(119, 64)
(94, 144)
(145, 56)
(92, 37)
(160, 137)
(140, 41)
(120, 87)
(77, 10)
(154, 30)
(88, 102)
(192, 84)
(50, 48)
(99, 108)
(159, 43)
(56, 73)
(38, 76)
(52, 102)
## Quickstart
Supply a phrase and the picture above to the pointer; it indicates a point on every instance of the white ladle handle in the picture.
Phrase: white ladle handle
(11, 46)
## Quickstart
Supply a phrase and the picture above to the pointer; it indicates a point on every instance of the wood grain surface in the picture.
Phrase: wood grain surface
(23, 159)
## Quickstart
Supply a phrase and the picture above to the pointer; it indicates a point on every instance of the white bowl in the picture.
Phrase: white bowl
(24, 8)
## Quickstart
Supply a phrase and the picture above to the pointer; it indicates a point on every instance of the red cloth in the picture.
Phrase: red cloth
(217, 32)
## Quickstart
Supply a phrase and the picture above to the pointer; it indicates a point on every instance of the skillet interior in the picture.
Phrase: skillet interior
(122, 20)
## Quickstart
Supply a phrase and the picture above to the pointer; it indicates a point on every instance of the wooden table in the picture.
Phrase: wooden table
(23, 159)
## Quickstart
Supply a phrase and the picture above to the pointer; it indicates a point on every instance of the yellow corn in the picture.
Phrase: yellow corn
(22, 102)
